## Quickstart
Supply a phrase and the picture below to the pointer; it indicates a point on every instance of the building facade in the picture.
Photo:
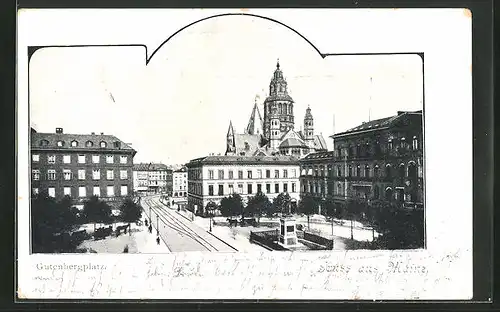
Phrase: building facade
(152, 178)
(180, 183)
(379, 159)
(80, 166)
(212, 178)
(275, 134)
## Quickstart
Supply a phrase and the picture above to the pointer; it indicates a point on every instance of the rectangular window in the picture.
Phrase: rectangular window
(67, 174)
(97, 191)
(249, 174)
(35, 157)
(231, 189)
(259, 188)
(51, 159)
(81, 174)
(221, 174)
(259, 174)
(52, 192)
(249, 188)
(96, 174)
(240, 188)
(210, 174)
(109, 159)
(268, 174)
(293, 188)
(110, 191)
(67, 159)
(110, 175)
(221, 189)
(268, 188)
(35, 174)
(82, 192)
(81, 159)
(276, 188)
(67, 191)
(276, 174)
(230, 173)
(285, 187)
(210, 190)
(123, 159)
(240, 174)
(51, 174)
(285, 173)
(294, 173)
(95, 159)
(123, 190)
(123, 174)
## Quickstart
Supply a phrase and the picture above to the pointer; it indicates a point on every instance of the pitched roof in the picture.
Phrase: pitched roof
(277, 159)
(319, 155)
(319, 142)
(255, 122)
(49, 141)
(293, 142)
(247, 143)
(381, 123)
(150, 167)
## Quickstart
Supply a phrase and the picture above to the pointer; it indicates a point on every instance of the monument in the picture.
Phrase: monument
(288, 234)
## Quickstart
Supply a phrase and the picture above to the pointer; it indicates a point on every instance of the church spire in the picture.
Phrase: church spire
(230, 142)
(255, 124)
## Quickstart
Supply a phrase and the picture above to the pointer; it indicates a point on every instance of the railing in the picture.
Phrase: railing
(320, 240)
(267, 238)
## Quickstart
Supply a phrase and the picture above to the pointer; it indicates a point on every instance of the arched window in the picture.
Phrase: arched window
(44, 143)
(367, 171)
(350, 171)
(376, 192)
(339, 171)
(103, 144)
(403, 143)
(412, 171)
(358, 171)
(388, 171)
(74, 143)
(388, 194)
(389, 144)
(401, 170)
(376, 171)
(88, 143)
(60, 143)
(415, 143)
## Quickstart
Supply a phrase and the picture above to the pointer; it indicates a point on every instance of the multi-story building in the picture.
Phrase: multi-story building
(152, 178)
(80, 165)
(379, 159)
(212, 178)
(180, 183)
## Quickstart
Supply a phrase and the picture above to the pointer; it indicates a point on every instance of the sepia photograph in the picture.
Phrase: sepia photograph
(237, 134)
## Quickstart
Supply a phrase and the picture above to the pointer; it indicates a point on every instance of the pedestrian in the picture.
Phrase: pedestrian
(158, 240)
(150, 229)
(146, 221)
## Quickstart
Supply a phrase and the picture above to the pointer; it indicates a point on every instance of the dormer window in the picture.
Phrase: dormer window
(44, 143)
(74, 143)
(89, 144)
(60, 143)
(103, 144)
(117, 144)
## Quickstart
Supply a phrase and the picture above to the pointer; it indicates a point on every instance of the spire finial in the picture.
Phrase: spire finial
(278, 64)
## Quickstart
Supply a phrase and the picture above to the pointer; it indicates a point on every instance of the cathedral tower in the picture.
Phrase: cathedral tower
(275, 132)
(309, 128)
(280, 101)
(230, 142)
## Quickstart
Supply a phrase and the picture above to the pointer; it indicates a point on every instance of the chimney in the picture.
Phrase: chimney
(93, 133)
(102, 133)
(59, 130)
(400, 113)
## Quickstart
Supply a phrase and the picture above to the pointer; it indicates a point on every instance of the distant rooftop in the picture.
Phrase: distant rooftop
(150, 167)
(281, 159)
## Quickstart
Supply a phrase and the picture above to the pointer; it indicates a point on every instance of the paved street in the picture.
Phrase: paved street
(178, 233)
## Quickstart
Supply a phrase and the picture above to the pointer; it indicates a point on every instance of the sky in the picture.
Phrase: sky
(178, 106)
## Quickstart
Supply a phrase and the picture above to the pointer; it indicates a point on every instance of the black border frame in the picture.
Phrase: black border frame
(482, 16)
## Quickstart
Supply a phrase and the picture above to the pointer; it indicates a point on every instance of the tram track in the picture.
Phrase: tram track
(176, 225)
